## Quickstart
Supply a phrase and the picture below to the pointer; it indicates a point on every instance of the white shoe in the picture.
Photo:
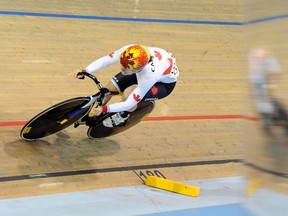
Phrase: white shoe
(115, 120)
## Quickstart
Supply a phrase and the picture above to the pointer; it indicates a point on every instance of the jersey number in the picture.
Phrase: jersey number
(174, 72)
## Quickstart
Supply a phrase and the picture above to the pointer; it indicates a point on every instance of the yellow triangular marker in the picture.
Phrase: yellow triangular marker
(253, 185)
(173, 186)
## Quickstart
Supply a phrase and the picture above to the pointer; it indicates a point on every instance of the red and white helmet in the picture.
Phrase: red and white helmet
(134, 58)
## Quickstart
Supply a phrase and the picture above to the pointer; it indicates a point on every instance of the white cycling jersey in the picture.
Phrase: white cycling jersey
(162, 68)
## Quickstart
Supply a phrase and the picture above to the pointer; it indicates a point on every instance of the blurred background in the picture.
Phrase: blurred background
(230, 103)
(266, 149)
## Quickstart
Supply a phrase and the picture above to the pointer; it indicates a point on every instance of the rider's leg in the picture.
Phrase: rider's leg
(120, 83)
(111, 87)
(158, 91)
(120, 118)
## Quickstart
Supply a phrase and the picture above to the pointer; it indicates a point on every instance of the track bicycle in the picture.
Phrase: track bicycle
(75, 111)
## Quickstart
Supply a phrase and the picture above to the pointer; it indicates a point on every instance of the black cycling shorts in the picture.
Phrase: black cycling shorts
(158, 91)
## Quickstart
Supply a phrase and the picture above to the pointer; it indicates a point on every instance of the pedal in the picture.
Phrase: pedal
(80, 122)
(93, 121)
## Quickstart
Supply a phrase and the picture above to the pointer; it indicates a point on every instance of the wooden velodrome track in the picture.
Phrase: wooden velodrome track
(205, 136)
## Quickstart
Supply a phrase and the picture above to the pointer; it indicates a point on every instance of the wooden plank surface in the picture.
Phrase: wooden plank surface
(38, 53)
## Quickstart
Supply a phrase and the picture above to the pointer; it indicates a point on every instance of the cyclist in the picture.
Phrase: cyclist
(147, 73)
(262, 64)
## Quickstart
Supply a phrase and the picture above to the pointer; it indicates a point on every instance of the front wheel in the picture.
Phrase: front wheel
(55, 118)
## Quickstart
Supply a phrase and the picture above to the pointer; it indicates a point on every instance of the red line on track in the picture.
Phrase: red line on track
(162, 118)
(15, 123)
(173, 118)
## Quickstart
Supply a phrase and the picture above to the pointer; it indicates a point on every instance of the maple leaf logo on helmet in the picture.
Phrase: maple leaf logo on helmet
(127, 60)
(134, 58)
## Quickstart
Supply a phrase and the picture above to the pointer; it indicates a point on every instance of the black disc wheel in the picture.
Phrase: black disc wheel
(99, 130)
(55, 118)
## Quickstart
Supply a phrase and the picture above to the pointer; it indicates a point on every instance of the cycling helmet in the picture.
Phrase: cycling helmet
(134, 58)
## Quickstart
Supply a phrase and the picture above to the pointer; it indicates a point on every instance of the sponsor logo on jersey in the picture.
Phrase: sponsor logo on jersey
(150, 99)
(152, 67)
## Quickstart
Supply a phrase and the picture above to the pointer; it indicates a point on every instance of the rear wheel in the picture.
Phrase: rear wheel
(55, 118)
(99, 130)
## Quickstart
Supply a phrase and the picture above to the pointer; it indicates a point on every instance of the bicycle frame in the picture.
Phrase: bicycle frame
(65, 113)
(76, 111)
(98, 98)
